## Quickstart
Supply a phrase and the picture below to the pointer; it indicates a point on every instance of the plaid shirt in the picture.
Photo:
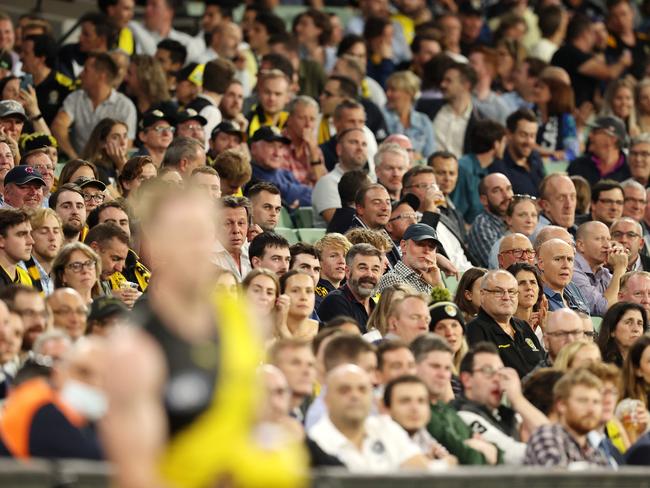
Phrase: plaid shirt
(552, 445)
(486, 230)
(401, 273)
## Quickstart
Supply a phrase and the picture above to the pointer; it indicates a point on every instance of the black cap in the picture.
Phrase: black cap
(613, 125)
(469, 8)
(192, 72)
(189, 114)
(445, 310)
(84, 181)
(269, 133)
(105, 307)
(150, 117)
(23, 174)
(36, 140)
(229, 127)
(421, 232)
(410, 199)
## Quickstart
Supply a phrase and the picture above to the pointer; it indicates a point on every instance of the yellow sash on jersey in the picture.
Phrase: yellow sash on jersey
(256, 122)
(220, 444)
(126, 42)
(324, 131)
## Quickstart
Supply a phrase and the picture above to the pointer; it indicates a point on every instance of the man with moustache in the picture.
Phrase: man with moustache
(363, 268)
(629, 234)
(595, 250)
(68, 203)
(495, 192)
(578, 402)
(521, 163)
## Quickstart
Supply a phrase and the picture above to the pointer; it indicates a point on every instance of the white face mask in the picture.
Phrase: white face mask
(85, 399)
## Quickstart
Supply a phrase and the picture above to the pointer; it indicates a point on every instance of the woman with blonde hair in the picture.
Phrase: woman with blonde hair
(619, 102)
(145, 80)
(77, 266)
(642, 105)
(577, 354)
(378, 319)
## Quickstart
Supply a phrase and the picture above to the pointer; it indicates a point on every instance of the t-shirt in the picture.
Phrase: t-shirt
(571, 58)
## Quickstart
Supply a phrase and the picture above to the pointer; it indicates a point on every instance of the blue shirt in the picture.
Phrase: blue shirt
(571, 295)
(465, 196)
(486, 229)
(592, 284)
(524, 182)
(290, 188)
(420, 131)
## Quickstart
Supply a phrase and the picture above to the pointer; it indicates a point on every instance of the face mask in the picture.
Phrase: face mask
(84, 399)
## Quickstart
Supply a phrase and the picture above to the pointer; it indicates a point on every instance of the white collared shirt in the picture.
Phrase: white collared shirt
(449, 129)
(223, 259)
(386, 445)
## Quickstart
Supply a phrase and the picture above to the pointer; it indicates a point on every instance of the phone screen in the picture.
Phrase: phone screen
(26, 81)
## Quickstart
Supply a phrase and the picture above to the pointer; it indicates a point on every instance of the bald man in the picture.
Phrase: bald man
(555, 260)
(629, 234)
(361, 441)
(563, 327)
(69, 310)
(495, 193)
(405, 143)
(514, 248)
(599, 286)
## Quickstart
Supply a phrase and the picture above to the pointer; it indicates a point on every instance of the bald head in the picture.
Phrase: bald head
(593, 241)
(349, 395)
(69, 311)
(555, 261)
(495, 192)
(563, 327)
(515, 248)
(552, 232)
(401, 140)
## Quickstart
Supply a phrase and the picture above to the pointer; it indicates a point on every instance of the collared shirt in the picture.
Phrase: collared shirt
(453, 247)
(290, 188)
(419, 131)
(38, 275)
(21, 278)
(571, 297)
(147, 41)
(84, 117)
(326, 194)
(592, 284)
(223, 259)
(298, 160)
(524, 181)
(386, 446)
(553, 445)
(342, 302)
(449, 129)
(465, 196)
(521, 352)
(486, 229)
(401, 273)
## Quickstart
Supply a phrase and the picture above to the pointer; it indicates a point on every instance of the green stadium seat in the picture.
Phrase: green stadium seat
(597, 321)
(451, 282)
(556, 166)
(310, 236)
(305, 217)
(290, 235)
(285, 219)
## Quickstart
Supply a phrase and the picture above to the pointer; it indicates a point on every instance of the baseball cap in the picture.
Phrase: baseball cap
(23, 174)
(269, 133)
(445, 310)
(105, 307)
(410, 199)
(189, 114)
(84, 181)
(150, 117)
(193, 73)
(613, 125)
(11, 108)
(229, 127)
(421, 232)
(468, 8)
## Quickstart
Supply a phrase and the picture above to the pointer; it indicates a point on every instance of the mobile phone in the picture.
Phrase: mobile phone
(26, 81)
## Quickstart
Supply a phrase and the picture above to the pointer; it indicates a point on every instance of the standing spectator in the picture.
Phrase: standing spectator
(521, 164)
(76, 114)
(552, 21)
(495, 192)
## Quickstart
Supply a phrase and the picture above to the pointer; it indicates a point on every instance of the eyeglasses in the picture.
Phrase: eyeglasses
(629, 235)
(591, 334)
(565, 334)
(160, 130)
(640, 154)
(77, 266)
(500, 292)
(520, 253)
(414, 216)
(71, 311)
(97, 197)
(44, 169)
(609, 201)
(487, 371)
(194, 127)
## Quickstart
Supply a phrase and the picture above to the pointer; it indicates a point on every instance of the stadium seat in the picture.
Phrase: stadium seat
(305, 217)
(451, 282)
(310, 235)
(597, 321)
(556, 166)
(290, 235)
(285, 219)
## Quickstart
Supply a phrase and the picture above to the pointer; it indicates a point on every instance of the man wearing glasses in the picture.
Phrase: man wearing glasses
(563, 327)
(486, 381)
(515, 248)
(518, 345)
(607, 200)
(69, 311)
(41, 162)
(629, 234)
(156, 134)
(92, 191)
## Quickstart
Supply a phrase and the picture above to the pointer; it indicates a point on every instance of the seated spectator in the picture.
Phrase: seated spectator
(521, 219)
(447, 322)
(514, 248)
(404, 214)
(348, 187)
(622, 325)
(136, 170)
(57, 424)
(15, 234)
(207, 179)
(332, 249)
(406, 398)
(156, 133)
(607, 201)
(48, 239)
(270, 251)
(518, 345)
(485, 381)
(378, 321)
(184, 155)
(635, 373)
(104, 315)
(531, 306)
(418, 266)
(495, 193)
(40, 160)
(594, 251)
(391, 162)
(434, 363)
(305, 258)
(262, 289)
(78, 266)
(557, 203)
(635, 288)
(231, 249)
(484, 61)
(635, 199)
(363, 269)
(234, 170)
(553, 21)
(563, 327)
(578, 401)
(445, 166)
(394, 359)
(30, 305)
(273, 95)
(299, 288)
(468, 293)
(629, 234)
(408, 317)
(605, 157)
(107, 146)
(372, 207)
(521, 164)
(348, 400)
(23, 188)
(69, 311)
(267, 146)
(578, 354)
(638, 158)
(227, 135)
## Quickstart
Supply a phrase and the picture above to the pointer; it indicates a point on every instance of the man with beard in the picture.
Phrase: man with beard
(68, 202)
(521, 164)
(363, 268)
(418, 267)
(30, 305)
(578, 402)
(47, 234)
(15, 246)
(495, 191)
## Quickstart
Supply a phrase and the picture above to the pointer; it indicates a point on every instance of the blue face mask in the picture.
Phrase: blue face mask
(84, 399)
